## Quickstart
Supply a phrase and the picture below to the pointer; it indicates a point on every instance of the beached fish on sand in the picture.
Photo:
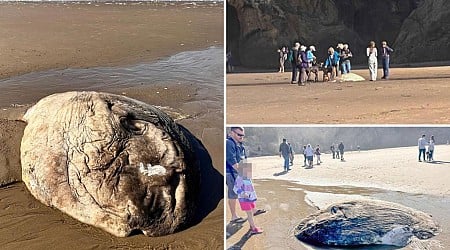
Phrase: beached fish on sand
(366, 222)
(111, 162)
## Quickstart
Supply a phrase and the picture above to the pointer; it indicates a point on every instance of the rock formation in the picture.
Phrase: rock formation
(110, 161)
(425, 34)
(257, 28)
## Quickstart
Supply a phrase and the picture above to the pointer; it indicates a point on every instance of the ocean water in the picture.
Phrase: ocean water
(202, 68)
(110, 1)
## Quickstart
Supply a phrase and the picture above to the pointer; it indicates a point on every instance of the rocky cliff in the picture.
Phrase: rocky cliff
(417, 29)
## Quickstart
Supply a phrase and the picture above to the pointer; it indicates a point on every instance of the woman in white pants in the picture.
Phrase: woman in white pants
(373, 61)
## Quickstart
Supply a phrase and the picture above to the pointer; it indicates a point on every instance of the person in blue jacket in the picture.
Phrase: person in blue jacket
(332, 62)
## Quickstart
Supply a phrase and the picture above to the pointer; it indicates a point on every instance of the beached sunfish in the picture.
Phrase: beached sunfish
(111, 162)
(366, 222)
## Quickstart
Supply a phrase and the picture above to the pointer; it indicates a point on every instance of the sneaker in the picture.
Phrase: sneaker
(256, 230)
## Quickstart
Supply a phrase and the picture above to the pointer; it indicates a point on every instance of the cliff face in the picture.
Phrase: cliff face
(425, 34)
(257, 28)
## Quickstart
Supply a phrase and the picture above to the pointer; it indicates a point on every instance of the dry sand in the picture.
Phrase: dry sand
(411, 96)
(43, 36)
(292, 196)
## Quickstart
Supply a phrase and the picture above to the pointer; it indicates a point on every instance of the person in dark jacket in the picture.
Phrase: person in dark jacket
(294, 62)
(285, 151)
(341, 150)
(385, 53)
(303, 65)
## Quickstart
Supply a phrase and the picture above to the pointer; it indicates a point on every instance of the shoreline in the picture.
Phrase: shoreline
(121, 34)
(39, 37)
(389, 169)
(390, 174)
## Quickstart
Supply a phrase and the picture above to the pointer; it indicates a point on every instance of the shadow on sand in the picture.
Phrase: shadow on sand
(234, 227)
(241, 242)
(211, 181)
(280, 173)
(438, 162)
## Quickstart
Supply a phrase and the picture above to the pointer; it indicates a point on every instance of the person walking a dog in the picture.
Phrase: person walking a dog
(385, 53)
(372, 60)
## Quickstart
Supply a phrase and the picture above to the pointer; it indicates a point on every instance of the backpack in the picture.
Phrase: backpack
(299, 57)
(290, 56)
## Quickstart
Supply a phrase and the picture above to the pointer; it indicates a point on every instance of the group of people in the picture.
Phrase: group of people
(338, 60)
(426, 148)
(239, 182)
(301, 58)
(372, 54)
(286, 151)
(338, 152)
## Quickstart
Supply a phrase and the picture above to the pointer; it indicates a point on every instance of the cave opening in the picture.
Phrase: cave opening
(233, 31)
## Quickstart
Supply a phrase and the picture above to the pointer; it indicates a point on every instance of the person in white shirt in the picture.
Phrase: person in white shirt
(431, 149)
(422, 144)
(309, 152)
(372, 61)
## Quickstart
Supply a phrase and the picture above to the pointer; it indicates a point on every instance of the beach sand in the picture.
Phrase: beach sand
(392, 174)
(44, 36)
(411, 95)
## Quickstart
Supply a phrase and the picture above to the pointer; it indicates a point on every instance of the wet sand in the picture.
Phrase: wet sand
(387, 174)
(410, 96)
(37, 37)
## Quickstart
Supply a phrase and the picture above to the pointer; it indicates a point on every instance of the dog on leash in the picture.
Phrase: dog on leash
(314, 69)
(326, 73)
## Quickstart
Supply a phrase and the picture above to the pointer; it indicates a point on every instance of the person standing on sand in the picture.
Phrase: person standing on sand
(385, 52)
(310, 56)
(282, 56)
(333, 151)
(294, 61)
(339, 48)
(317, 153)
(304, 156)
(233, 157)
(372, 60)
(303, 65)
(421, 143)
(291, 154)
(309, 152)
(285, 152)
(332, 62)
(243, 187)
(346, 55)
(229, 59)
(341, 150)
(431, 148)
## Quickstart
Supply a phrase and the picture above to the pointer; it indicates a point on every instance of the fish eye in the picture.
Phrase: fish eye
(334, 210)
(133, 125)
